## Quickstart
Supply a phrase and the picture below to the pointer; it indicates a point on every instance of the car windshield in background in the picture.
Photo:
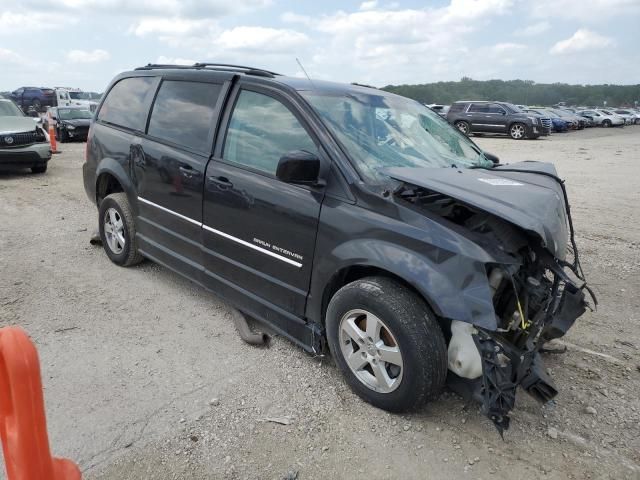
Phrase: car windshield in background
(513, 108)
(73, 113)
(8, 109)
(382, 131)
(549, 113)
(79, 96)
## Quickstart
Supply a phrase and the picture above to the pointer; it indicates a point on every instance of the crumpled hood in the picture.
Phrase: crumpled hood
(530, 201)
(16, 125)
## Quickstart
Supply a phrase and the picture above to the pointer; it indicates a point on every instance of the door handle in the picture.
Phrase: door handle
(222, 182)
(186, 170)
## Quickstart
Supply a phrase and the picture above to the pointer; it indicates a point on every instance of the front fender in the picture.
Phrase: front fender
(455, 286)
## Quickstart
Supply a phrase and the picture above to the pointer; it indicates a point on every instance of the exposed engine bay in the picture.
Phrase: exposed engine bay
(536, 283)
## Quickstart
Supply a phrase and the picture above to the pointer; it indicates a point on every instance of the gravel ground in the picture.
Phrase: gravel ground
(145, 376)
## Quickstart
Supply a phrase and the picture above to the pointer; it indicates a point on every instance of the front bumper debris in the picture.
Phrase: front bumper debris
(507, 364)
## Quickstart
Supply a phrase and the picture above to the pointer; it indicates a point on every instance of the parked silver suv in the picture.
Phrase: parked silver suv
(23, 143)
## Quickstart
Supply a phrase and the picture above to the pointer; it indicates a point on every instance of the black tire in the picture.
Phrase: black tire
(413, 326)
(518, 131)
(606, 123)
(37, 105)
(637, 121)
(39, 169)
(463, 127)
(129, 254)
(61, 135)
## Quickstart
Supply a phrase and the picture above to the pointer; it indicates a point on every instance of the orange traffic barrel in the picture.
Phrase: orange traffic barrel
(23, 426)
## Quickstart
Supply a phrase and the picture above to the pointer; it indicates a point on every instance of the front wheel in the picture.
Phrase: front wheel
(387, 343)
(517, 131)
(118, 231)
(463, 127)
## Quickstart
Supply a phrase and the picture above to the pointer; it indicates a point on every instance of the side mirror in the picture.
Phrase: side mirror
(492, 157)
(300, 167)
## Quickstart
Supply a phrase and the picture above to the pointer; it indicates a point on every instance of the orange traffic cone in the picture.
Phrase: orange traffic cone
(23, 427)
(52, 139)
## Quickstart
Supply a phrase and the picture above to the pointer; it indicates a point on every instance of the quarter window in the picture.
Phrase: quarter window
(261, 131)
(183, 113)
(125, 103)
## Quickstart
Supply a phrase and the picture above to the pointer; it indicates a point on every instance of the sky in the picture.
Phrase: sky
(84, 43)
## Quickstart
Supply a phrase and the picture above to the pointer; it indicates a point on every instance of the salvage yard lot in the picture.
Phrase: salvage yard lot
(145, 376)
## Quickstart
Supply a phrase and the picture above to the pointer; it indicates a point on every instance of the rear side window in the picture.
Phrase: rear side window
(125, 103)
(495, 108)
(479, 108)
(457, 107)
(183, 113)
(261, 131)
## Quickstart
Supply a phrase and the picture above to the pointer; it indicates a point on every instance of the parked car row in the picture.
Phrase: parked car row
(39, 98)
(520, 121)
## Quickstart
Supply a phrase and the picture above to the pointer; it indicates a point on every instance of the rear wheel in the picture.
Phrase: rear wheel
(517, 131)
(37, 105)
(637, 121)
(39, 169)
(118, 231)
(606, 123)
(462, 126)
(387, 343)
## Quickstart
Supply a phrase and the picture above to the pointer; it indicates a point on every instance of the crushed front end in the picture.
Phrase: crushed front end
(536, 284)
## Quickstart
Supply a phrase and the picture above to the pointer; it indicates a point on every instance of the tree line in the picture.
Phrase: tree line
(522, 92)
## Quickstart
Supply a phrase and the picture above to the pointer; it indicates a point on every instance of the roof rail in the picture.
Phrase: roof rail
(213, 66)
(364, 85)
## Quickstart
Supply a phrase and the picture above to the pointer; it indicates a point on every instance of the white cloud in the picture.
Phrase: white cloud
(534, 29)
(474, 9)
(160, 8)
(582, 40)
(583, 10)
(369, 5)
(9, 56)
(267, 40)
(174, 27)
(84, 56)
(174, 61)
(508, 47)
(12, 23)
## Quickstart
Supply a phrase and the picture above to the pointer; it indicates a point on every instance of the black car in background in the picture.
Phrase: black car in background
(495, 117)
(70, 123)
(351, 220)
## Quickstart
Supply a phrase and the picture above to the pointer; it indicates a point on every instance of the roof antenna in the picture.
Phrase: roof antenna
(306, 74)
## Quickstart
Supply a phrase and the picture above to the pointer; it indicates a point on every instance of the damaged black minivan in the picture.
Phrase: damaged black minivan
(348, 219)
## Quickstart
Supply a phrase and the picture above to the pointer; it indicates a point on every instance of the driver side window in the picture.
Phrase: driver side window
(262, 130)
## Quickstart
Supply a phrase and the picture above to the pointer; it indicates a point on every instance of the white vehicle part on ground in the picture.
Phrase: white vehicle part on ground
(464, 358)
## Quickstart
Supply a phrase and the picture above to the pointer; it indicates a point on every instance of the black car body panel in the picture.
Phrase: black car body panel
(279, 251)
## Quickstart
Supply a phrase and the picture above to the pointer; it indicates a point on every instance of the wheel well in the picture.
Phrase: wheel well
(106, 185)
(356, 272)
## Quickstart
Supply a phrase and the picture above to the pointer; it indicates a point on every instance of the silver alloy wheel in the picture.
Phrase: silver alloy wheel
(114, 230)
(371, 351)
(462, 126)
(517, 131)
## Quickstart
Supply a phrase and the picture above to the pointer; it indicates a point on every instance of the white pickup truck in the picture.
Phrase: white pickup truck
(74, 97)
